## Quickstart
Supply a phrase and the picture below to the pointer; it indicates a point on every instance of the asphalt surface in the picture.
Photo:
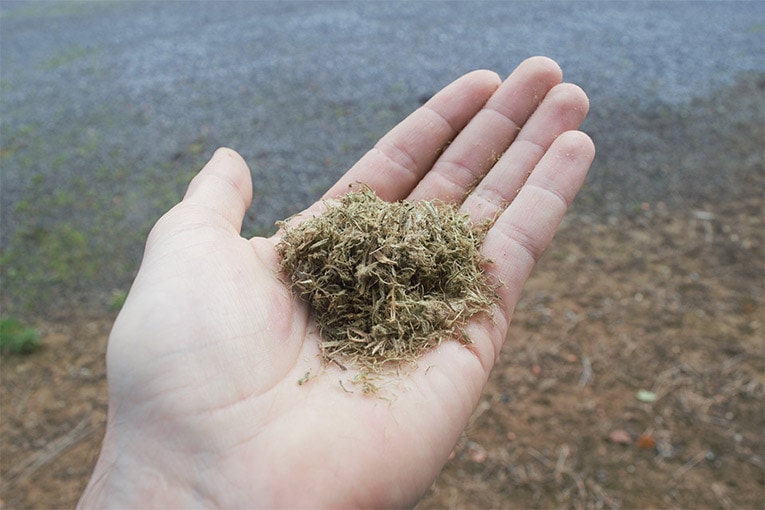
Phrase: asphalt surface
(107, 108)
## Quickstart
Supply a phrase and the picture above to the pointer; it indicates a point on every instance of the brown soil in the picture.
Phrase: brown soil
(665, 301)
(669, 299)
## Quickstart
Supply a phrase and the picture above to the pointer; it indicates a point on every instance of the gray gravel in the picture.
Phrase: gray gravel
(108, 108)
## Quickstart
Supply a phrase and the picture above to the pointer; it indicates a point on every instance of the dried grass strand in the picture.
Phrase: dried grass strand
(386, 281)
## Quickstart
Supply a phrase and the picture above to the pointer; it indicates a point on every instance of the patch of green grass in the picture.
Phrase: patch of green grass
(39, 258)
(17, 338)
(77, 234)
(55, 9)
(15, 140)
(117, 300)
(67, 57)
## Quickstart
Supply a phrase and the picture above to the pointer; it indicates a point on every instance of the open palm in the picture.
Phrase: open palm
(204, 360)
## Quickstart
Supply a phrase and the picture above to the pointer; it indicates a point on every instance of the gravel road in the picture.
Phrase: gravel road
(109, 107)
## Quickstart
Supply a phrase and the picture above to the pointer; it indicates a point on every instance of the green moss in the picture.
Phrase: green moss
(71, 55)
(117, 300)
(55, 9)
(78, 223)
(39, 258)
(17, 338)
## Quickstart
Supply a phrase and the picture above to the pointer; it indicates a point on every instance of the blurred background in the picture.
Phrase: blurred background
(108, 108)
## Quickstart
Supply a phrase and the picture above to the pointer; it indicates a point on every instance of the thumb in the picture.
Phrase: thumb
(222, 190)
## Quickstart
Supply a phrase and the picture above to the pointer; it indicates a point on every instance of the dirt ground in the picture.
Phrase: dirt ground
(634, 371)
(664, 302)
(670, 302)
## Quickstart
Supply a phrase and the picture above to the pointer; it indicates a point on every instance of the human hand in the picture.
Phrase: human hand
(204, 359)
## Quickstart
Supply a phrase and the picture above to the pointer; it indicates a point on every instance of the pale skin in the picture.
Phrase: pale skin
(204, 360)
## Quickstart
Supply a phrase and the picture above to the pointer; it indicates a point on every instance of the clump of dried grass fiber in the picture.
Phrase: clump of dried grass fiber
(386, 281)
